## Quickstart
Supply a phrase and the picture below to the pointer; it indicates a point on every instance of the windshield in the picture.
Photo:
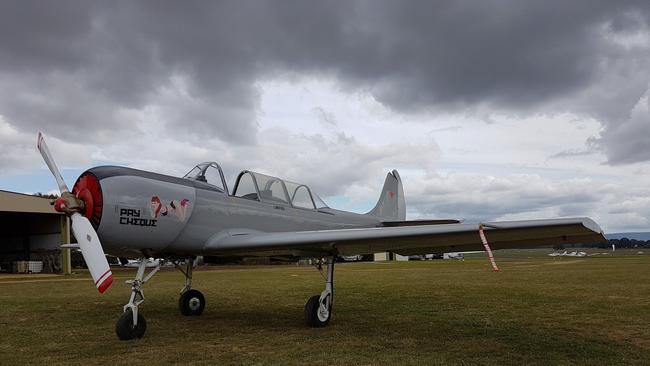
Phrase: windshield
(194, 173)
(209, 173)
(319, 202)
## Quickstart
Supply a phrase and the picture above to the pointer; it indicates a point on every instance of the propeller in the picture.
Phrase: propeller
(91, 247)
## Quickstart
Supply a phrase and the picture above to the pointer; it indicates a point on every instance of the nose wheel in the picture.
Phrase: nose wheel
(126, 329)
(131, 323)
(191, 303)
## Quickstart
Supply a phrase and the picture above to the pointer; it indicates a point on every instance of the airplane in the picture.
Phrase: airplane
(575, 253)
(455, 255)
(141, 214)
(151, 263)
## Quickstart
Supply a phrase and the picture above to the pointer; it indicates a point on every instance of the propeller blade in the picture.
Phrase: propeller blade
(45, 152)
(91, 247)
(92, 251)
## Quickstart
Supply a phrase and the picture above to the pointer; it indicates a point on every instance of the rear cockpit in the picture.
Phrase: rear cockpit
(258, 187)
(265, 188)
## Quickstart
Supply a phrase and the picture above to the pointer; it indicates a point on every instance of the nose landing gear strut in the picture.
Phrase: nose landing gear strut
(132, 324)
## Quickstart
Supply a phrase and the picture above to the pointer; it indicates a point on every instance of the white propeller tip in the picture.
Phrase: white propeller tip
(105, 281)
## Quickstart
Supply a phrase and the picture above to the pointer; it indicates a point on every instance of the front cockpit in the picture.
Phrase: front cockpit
(258, 187)
(208, 173)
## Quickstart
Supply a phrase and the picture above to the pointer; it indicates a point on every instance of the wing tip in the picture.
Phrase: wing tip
(592, 225)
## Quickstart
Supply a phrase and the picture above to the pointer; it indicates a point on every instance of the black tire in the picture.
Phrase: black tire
(191, 303)
(311, 313)
(124, 327)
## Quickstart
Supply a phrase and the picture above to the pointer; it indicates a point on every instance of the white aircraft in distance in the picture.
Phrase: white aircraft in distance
(454, 255)
(135, 263)
(570, 254)
(556, 254)
(139, 214)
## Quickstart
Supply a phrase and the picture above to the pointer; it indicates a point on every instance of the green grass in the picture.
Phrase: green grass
(536, 311)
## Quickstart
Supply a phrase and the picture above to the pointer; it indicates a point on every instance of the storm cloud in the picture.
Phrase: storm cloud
(90, 64)
(184, 78)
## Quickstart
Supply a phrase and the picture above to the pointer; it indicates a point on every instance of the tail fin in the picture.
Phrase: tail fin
(391, 205)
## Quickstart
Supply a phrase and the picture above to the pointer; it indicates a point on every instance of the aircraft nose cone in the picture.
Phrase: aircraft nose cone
(60, 204)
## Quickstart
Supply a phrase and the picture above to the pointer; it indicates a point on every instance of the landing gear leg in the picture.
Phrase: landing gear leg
(318, 310)
(191, 302)
(132, 324)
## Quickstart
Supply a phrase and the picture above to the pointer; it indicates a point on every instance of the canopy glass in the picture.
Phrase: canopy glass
(262, 187)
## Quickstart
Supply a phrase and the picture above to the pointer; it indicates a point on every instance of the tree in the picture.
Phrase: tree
(51, 195)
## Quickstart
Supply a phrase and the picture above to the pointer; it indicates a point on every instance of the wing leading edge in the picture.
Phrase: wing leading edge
(407, 240)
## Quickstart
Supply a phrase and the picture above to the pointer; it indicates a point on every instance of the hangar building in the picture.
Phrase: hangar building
(31, 231)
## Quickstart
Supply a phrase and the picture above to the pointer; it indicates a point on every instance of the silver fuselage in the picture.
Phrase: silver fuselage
(131, 224)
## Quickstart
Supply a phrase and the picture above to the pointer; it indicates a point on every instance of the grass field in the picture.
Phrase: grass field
(537, 311)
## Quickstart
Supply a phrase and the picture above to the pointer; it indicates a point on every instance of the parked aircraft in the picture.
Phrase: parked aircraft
(456, 255)
(140, 214)
(575, 253)
(135, 263)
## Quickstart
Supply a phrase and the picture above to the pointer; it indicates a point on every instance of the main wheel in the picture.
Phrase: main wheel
(315, 315)
(191, 303)
(125, 329)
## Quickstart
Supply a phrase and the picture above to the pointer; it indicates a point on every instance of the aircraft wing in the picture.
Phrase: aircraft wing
(406, 240)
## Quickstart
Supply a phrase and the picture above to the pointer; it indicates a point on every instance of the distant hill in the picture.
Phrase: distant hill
(636, 235)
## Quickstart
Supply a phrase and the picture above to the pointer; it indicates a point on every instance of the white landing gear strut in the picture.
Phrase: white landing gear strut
(132, 324)
(191, 302)
(318, 310)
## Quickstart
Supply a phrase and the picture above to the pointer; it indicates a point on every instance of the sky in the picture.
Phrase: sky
(490, 110)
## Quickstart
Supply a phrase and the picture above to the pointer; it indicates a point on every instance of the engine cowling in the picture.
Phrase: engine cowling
(133, 209)
(88, 189)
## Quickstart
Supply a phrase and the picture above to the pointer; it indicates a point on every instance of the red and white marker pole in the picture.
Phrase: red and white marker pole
(487, 248)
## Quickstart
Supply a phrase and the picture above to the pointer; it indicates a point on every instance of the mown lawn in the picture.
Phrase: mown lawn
(536, 311)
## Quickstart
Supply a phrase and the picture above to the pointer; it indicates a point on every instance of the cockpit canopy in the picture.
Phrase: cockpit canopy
(209, 173)
(259, 187)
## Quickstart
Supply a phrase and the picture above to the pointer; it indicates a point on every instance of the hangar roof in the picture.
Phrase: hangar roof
(19, 202)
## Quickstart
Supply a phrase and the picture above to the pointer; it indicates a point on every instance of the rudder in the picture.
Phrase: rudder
(391, 205)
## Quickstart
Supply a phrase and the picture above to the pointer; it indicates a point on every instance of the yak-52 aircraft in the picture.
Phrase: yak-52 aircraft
(140, 214)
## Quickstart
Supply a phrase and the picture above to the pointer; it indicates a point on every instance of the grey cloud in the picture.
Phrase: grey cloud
(18, 153)
(572, 153)
(331, 164)
(107, 61)
(325, 117)
(86, 67)
(479, 197)
(15, 150)
(629, 141)
(37, 36)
